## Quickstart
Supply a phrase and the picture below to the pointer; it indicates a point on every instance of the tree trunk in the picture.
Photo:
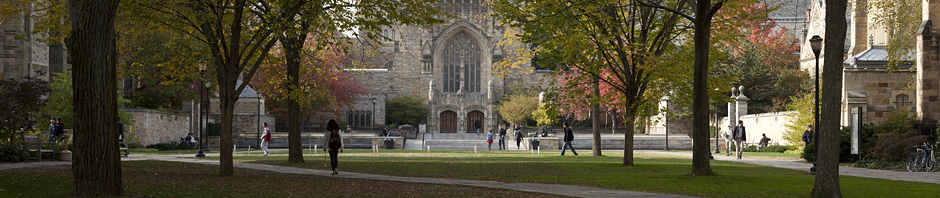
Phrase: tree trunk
(96, 165)
(629, 120)
(292, 47)
(827, 171)
(227, 99)
(595, 119)
(700, 151)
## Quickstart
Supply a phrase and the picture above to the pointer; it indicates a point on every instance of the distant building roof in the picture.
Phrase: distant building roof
(874, 57)
(247, 93)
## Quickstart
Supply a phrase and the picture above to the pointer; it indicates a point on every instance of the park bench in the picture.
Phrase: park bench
(34, 145)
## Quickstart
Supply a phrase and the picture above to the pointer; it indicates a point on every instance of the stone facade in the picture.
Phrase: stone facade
(154, 126)
(876, 91)
(22, 54)
(449, 65)
(773, 124)
(928, 64)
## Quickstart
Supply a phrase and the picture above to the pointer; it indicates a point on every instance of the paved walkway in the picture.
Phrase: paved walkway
(926, 177)
(565, 190)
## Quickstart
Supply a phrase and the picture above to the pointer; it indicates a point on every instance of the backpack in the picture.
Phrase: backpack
(334, 141)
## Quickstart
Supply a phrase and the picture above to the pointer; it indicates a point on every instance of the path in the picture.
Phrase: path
(925, 177)
(565, 190)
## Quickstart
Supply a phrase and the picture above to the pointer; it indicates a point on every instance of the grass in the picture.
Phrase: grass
(176, 179)
(768, 155)
(151, 151)
(651, 172)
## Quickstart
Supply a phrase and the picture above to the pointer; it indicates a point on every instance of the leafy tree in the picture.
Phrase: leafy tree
(827, 174)
(518, 108)
(96, 165)
(20, 105)
(901, 19)
(405, 110)
(803, 105)
(615, 42)
(546, 114)
(60, 98)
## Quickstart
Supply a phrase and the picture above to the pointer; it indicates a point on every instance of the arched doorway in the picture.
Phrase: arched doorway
(475, 120)
(448, 122)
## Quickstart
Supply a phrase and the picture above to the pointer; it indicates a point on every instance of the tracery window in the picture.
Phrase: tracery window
(461, 54)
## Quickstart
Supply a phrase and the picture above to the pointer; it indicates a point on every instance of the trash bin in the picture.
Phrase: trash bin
(389, 144)
(534, 143)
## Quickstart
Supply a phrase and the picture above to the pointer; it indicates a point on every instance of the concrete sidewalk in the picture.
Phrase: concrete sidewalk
(925, 177)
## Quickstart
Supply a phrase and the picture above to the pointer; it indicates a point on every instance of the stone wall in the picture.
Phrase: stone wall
(928, 64)
(155, 126)
(773, 124)
(877, 91)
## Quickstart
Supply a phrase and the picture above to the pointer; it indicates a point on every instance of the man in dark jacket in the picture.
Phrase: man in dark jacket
(739, 138)
(569, 136)
(502, 138)
(808, 136)
(59, 129)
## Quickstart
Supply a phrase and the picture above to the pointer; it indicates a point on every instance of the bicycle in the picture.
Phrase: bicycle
(923, 159)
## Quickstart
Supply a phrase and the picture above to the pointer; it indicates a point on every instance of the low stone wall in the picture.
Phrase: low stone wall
(773, 124)
(155, 126)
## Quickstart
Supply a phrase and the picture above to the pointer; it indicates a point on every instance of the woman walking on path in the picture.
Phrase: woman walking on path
(265, 138)
(333, 142)
(489, 140)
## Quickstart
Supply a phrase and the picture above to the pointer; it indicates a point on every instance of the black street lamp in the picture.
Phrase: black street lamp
(666, 114)
(816, 44)
(201, 88)
(373, 115)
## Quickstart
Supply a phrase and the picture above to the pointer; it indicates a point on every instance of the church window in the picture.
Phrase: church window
(359, 118)
(428, 65)
(902, 101)
(461, 56)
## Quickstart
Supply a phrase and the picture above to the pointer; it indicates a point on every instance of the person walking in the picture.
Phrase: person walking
(51, 129)
(740, 136)
(569, 136)
(477, 125)
(518, 135)
(489, 140)
(728, 140)
(122, 146)
(502, 138)
(808, 136)
(59, 129)
(265, 139)
(333, 143)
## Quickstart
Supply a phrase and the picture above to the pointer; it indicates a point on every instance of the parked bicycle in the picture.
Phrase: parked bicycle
(923, 159)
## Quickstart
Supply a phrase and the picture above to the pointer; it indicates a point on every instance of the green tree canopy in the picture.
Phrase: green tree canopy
(517, 108)
(405, 110)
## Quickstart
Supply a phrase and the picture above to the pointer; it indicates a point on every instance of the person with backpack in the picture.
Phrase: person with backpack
(489, 140)
(333, 143)
(265, 139)
(569, 136)
(518, 135)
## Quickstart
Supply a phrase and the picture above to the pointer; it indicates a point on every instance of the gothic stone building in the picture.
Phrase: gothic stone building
(449, 65)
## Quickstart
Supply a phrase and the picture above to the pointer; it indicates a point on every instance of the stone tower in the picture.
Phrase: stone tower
(928, 64)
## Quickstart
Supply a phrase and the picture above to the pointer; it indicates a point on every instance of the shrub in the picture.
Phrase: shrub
(170, 146)
(895, 146)
(809, 153)
(13, 152)
(878, 164)
(775, 149)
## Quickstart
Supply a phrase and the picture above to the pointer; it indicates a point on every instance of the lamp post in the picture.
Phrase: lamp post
(373, 115)
(201, 137)
(717, 150)
(666, 114)
(816, 44)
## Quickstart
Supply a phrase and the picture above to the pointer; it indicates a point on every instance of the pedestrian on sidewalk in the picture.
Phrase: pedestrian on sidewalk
(518, 134)
(477, 125)
(728, 140)
(807, 136)
(489, 140)
(740, 137)
(569, 136)
(59, 129)
(52, 129)
(265, 139)
(502, 138)
(333, 142)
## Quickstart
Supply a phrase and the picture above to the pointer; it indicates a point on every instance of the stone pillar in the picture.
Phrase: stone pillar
(741, 103)
(732, 108)
(433, 122)
(928, 66)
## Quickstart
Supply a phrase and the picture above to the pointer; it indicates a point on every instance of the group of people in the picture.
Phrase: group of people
(738, 137)
(517, 131)
(56, 129)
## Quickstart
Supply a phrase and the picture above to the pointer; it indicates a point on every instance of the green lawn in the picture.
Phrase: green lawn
(177, 179)
(769, 155)
(652, 173)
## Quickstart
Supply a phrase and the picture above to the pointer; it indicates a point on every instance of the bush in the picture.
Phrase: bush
(896, 146)
(13, 152)
(775, 149)
(878, 164)
(809, 153)
(170, 146)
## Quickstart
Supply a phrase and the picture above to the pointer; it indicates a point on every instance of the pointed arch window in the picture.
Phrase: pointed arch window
(461, 58)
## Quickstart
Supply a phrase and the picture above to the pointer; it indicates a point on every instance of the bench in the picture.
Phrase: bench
(34, 145)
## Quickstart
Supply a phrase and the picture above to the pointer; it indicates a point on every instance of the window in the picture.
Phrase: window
(359, 118)
(902, 101)
(461, 54)
(428, 65)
